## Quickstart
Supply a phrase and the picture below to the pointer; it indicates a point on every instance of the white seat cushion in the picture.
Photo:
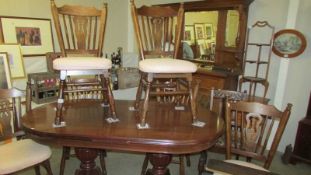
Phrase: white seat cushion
(21, 154)
(167, 65)
(236, 162)
(81, 63)
(246, 164)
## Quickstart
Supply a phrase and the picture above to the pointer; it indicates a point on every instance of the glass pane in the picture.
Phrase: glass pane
(200, 35)
(232, 28)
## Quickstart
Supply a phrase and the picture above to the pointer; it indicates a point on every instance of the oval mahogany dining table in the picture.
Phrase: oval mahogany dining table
(171, 132)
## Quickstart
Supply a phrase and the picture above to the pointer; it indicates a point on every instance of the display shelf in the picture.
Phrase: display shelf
(44, 86)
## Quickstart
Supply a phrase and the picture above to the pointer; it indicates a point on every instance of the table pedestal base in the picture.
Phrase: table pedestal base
(87, 157)
(160, 163)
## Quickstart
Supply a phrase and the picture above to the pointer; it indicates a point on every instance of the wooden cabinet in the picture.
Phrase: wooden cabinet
(225, 43)
(302, 148)
(217, 79)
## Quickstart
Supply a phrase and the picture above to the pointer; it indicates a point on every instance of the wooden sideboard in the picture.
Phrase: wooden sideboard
(218, 79)
(227, 58)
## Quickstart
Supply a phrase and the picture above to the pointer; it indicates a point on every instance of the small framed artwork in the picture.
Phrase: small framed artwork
(199, 31)
(189, 34)
(15, 60)
(5, 75)
(289, 43)
(33, 34)
(208, 30)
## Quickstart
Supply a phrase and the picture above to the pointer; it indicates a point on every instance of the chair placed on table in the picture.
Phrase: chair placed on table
(158, 34)
(80, 32)
(248, 128)
(16, 153)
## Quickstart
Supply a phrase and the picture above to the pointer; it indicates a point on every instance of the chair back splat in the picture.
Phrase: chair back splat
(155, 30)
(80, 30)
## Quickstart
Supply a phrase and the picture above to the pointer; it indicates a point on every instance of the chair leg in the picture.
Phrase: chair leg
(145, 165)
(266, 85)
(202, 162)
(145, 105)
(28, 96)
(46, 164)
(102, 155)
(37, 170)
(106, 82)
(251, 92)
(65, 156)
(240, 84)
(139, 92)
(182, 165)
(60, 102)
(188, 160)
(192, 102)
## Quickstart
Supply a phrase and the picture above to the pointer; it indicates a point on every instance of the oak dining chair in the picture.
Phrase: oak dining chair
(249, 127)
(18, 153)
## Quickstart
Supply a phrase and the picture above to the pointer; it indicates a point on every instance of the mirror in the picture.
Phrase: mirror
(201, 39)
(232, 28)
(200, 34)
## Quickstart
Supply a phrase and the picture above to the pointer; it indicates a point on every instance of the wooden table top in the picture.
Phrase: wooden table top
(170, 130)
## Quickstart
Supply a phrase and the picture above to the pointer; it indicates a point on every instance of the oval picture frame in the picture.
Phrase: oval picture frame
(289, 43)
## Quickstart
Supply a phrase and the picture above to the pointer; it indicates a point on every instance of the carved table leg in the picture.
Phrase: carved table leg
(202, 162)
(160, 163)
(87, 157)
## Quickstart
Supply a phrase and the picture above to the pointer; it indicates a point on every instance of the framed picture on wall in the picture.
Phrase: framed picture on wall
(15, 60)
(199, 31)
(33, 34)
(208, 30)
(189, 34)
(289, 43)
(5, 75)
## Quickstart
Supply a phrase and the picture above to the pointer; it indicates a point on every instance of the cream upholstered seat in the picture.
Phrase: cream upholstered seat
(236, 162)
(19, 155)
(15, 153)
(166, 65)
(82, 63)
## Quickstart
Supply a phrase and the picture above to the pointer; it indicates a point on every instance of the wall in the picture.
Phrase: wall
(298, 85)
(116, 31)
